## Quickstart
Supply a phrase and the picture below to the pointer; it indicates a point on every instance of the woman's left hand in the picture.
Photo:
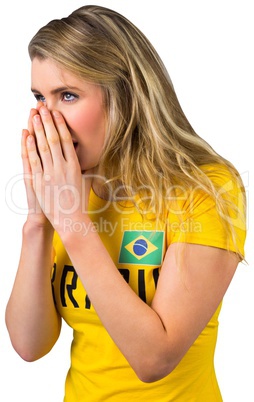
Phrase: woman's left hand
(61, 189)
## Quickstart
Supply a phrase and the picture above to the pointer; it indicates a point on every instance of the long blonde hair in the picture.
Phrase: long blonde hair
(151, 146)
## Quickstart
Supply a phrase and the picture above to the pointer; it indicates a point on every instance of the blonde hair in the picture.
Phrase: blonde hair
(151, 146)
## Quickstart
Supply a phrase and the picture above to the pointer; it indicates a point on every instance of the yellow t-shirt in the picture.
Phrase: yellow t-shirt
(99, 372)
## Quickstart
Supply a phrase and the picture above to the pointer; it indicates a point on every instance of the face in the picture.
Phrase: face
(80, 103)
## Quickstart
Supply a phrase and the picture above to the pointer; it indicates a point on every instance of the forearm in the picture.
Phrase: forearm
(31, 317)
(134, 326)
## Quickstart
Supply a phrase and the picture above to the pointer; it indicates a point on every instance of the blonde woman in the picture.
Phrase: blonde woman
(135, 227)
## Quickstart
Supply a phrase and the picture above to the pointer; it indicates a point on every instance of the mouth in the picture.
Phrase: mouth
(75, 144)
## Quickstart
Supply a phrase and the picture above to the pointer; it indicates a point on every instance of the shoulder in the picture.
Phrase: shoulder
(229, 192)
(215, 181)
(215, 219)
(222, 175)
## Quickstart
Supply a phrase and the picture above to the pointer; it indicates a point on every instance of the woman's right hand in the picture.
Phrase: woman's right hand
(35, 213)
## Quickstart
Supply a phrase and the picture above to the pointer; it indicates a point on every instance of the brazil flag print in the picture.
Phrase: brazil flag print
(142, 247)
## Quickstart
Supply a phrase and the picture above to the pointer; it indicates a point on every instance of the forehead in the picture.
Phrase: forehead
(46, 70)
(47, 75)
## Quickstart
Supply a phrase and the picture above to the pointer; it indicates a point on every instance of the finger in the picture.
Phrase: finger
(51, 135)
(39, 105)
(33, 157)
(42, 144)
(33, 112)
(30, 127)
(25, 134)
(65, 137)
(28, 179)
(25, 160)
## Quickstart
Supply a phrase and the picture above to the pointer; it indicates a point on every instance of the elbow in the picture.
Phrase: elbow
(147, 375)
(24, 347)
(150, 377)
(154, 370)
(27, 353)
(29, 344)
(28, 348)
(29, 358)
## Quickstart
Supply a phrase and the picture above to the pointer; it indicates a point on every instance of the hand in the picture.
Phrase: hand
(56, 175)
(35, 213)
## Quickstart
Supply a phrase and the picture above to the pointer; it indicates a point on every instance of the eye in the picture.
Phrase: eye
(39, 97)
(69, 97)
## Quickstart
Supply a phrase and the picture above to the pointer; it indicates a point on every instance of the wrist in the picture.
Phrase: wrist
(77, 227)
(32, 228)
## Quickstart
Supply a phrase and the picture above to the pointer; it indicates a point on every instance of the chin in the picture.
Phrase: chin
(93, 168)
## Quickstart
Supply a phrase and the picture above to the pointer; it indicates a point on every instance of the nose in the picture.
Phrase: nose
(49, 104)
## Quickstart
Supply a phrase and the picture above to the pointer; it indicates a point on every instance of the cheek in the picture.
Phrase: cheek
(88, 123)
(78, 124)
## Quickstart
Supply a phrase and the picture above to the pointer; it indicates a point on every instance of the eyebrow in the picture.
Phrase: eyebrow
(56, 90)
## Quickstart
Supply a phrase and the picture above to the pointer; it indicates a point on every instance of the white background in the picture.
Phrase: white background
(207, 47)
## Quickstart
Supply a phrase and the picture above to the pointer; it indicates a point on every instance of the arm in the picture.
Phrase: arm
(152, 338)
(31, 317)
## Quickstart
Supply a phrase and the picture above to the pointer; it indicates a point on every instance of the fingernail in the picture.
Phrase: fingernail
(37, 119)
(44, 110)
(30, 139)
(56, 114)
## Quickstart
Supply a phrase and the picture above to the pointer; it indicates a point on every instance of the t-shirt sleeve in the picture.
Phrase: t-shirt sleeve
(193, 217)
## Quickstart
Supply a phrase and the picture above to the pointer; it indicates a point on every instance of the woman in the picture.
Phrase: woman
(135, 225)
